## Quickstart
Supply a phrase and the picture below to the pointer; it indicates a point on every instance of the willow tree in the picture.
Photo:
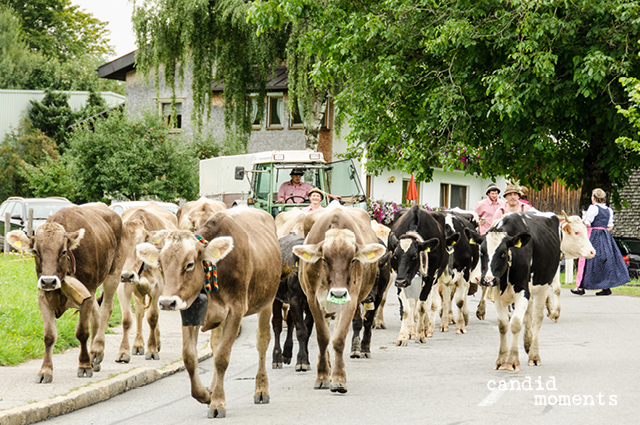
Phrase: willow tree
(521, 88)
(215, 41)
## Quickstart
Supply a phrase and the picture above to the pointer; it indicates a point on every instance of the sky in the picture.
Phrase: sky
(118, 15)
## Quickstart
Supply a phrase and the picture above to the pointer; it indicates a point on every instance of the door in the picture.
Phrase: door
(343, 181)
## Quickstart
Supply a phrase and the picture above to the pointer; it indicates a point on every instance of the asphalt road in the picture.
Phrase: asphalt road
(590, 374)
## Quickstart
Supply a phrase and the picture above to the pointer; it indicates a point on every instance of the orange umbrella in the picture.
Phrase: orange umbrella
(412, 191)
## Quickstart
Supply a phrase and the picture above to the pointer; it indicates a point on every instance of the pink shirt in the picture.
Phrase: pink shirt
(308, 209)
(486, 210)
(300, 191)
(522, 207)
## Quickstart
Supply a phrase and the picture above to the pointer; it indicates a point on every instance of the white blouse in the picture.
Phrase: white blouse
(590, 214)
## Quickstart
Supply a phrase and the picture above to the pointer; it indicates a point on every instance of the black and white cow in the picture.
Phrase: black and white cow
(520, 258)
(463, 268)
(418, 246)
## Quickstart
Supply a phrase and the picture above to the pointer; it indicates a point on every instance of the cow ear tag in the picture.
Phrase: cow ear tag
(370, 255)
(453, 243)
(427, 250)
(17, 244)
(518, 244)
(153, 257)
(306, 256)
(217, 254)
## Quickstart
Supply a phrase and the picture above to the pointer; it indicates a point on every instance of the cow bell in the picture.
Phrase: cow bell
(195, 314)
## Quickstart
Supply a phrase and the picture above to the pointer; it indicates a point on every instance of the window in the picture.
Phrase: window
(452, 196)
(255, 122)
(275, 113)
(296, 120)
(174, 125)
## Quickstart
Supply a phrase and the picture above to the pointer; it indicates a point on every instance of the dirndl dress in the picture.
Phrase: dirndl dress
(607, 269)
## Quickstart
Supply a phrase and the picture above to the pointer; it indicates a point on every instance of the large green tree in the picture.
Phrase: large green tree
(521, 88)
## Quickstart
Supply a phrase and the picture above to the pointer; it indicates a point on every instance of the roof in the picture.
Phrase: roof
(117, 69)
(277, 81)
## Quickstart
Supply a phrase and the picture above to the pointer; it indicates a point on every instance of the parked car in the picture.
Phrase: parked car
(630, 249)
(19, 210)
(120, 206)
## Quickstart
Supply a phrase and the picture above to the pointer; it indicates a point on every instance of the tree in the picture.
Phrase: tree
(52, 116)
(125, 158)
(519, 88)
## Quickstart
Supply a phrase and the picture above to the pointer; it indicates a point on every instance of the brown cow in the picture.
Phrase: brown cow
(80, 243)
(338, 267)
(192, 215)
(244, 248)
(140, 281)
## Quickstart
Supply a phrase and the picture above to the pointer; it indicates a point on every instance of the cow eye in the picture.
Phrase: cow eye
(63, 253)
(190, 266)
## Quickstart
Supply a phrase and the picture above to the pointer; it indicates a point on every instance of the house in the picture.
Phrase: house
(278, 130)
(14, 104)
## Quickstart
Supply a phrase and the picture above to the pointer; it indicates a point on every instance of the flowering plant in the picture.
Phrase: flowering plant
(382, 211)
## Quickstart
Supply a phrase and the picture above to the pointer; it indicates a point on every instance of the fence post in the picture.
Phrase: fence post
(568, 271)
(30, 222)
(7, 229)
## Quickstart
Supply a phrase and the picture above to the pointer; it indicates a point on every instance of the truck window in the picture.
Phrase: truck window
(263, 180)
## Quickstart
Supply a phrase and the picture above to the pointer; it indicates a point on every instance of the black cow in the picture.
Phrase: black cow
(419, 246)
(520, 257)
(299, 316)
(371, 304)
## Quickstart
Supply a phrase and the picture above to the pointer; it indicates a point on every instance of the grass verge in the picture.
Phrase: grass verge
(21, 330)
(632, 288)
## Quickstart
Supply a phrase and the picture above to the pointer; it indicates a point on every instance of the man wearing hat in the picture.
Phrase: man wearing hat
(294, 191)
(487, 207)
(513, 204)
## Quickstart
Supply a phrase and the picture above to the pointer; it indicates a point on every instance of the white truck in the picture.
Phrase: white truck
(255, 179)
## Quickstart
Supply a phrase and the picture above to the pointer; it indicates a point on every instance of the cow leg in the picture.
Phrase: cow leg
(190, 358)
(554, 298)
(139, 313)
(109, 288)
(365, 347)
(153, 315)
(432, 307)
(407, 328)
(263, 335)
(445, 290)
(124, 296)
(503, 327)
(276, 322)
(460, 299)
(322, 333)
(539, 294)
(230, 329)
(340, 331)
(304, 326)
(357, 328)
(378, 321)
(482, 305)
(287, 352)
(45, 375)
(83, 332)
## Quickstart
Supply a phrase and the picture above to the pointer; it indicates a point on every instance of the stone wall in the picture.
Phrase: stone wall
(627, 220)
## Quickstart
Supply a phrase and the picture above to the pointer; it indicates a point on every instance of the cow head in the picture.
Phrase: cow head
(409, 256)
(495, 253)
(179, 256)
(575, 240)
(340, 260)
(51, 247)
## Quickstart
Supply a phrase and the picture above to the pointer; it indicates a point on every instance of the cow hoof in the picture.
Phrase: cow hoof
(444, 328)
(303, 367)
(44, 379)
(380, 326)
(286, 360)
(421, 340)
(554, 316)
(96, 367)
(366, 355)
(355, 354)
(217, 413)
(85, 373)
(152, 356)
(123, 358)
(137, 351)
(158, 347)
(96, 359)
(534, 362)
(429, 334)
(276, 365)
(261, 399)
(321, 385)
(337, 387)
(479, 315)
(461, 331)
(401, 343)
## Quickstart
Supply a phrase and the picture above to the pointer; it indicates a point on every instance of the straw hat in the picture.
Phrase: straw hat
(318, 191)
(511, 188)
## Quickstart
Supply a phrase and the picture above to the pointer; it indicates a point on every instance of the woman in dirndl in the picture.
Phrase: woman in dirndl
(607, 269)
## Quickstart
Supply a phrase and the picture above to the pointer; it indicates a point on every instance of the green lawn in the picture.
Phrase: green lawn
(20, 321)
(631, 289)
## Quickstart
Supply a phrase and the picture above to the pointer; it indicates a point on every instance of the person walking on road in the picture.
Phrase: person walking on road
(487, 207)
(513, 204)
(607, 269)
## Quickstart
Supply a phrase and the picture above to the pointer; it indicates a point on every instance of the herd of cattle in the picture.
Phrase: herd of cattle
(217, 265)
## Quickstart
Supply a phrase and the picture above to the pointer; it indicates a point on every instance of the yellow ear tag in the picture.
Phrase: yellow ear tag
(518, 244)
(306, 256)
(370, 255)
(217, 254)
(17, 244)
(454, 242)
(153, 257)
(427, 250)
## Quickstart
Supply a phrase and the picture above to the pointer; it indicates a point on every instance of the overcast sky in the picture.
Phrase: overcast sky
(117, 13)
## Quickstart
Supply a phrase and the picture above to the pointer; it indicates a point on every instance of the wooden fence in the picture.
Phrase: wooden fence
(556, 198)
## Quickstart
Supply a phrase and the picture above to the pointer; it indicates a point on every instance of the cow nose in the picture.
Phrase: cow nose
(48, 282)
(402, 283)
(487, 281)
(167, 304)
(592, 253)
(126, 276)
(338, 292)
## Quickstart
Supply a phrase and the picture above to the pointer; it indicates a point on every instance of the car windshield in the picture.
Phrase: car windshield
(44, 210)
(632, 245)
